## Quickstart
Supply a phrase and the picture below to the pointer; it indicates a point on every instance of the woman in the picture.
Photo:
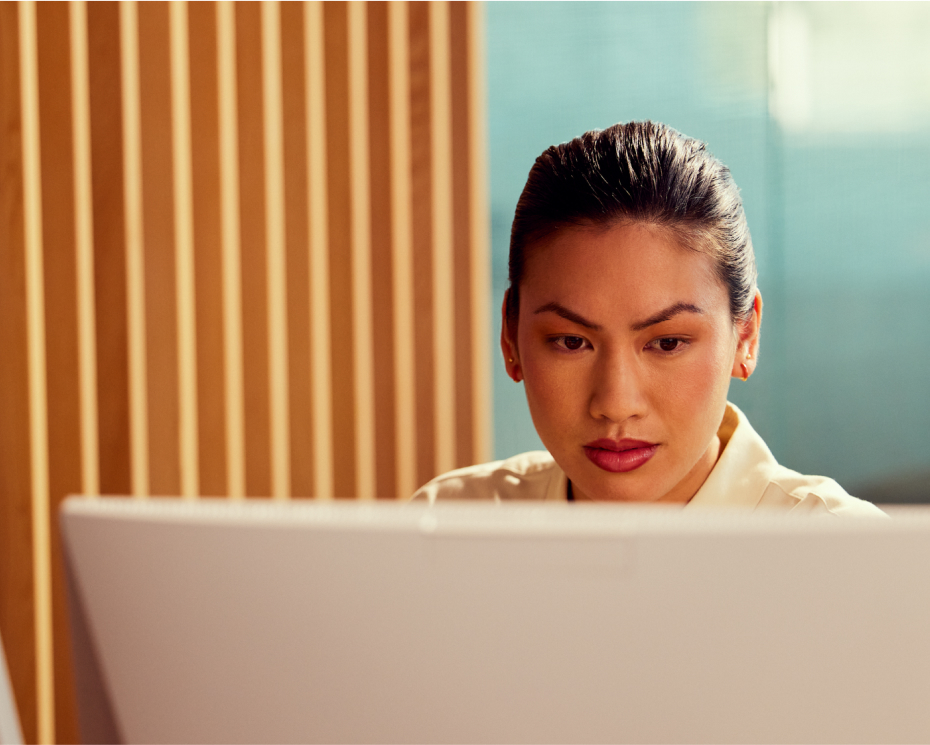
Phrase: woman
(632, 303)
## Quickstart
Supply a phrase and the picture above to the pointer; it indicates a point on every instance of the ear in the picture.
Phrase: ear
(509, 346)
(747, 343)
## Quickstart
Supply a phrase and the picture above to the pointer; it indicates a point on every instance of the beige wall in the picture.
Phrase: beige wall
(243, 252)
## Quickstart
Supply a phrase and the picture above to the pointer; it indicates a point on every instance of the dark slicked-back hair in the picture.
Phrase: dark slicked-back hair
(641, 172)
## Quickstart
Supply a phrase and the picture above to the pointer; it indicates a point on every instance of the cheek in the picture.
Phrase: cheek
(553, 390)
(545, 383)
(695, 386)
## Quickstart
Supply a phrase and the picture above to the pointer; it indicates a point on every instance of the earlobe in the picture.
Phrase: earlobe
(747, 350)
(743, 367)
(512, 365)
(740, 370)
(752, 336)
(509, 348)
(511, 360)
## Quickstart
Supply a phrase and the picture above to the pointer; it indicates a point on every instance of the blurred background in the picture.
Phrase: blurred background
(259, 249)
(822, 113)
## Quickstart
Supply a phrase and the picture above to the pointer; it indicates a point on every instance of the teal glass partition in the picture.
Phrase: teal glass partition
(822, 113)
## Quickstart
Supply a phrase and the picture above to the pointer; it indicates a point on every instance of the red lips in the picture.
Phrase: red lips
(619, 456)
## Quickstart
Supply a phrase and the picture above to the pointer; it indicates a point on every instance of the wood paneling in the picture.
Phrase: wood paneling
(422, 193)
(404, 348)
(106, 130)
(59, 261)
(297, 231)
(134, 225)
(17, 603)
(230, 239)
(318, 217)
(360, 209)
(84, 249)
(460, 154)
(161, 321)
(382, 286)
(241, 253)
(336, 26)
(254, 261)
(37, 371)
(479, 234)
(185, 264)
(276, 251)
(208, 256)
(444, 372)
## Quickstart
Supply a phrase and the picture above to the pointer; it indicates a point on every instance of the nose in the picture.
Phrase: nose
(618, 388)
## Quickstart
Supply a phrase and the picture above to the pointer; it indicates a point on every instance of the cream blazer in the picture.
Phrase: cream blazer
(746, 475)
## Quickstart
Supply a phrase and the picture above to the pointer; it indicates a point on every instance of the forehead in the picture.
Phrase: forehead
(630, 268)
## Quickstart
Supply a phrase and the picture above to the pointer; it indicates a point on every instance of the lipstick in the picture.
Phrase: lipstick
(619, 456)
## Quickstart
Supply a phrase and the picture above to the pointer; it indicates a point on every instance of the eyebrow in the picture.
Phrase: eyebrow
(667, 314)
(660, 317)
(561, 310)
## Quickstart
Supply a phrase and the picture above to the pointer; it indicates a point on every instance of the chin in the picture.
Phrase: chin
(612, 489)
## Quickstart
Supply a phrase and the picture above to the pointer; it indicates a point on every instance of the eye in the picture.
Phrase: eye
(668, 345)
(569, 343)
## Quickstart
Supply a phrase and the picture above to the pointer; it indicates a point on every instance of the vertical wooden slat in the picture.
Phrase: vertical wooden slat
(184, 249)
(294, 86)
(38, 408)
(253, 249)
(461, 226)
(208, 257)
(135, 260)
(84, 246)
(60, 334)
(380, 232)
(159, 330)
(405, 429)
(231, 241)
(279, 441)
(17, 587)
(443, 265)
(110, 256)
(342, 341)
(421, 150)
(461, 238)
(318, 212)
(361, 251)
(479, 235)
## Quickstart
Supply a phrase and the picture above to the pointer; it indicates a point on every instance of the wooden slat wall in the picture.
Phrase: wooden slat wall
(243, 253)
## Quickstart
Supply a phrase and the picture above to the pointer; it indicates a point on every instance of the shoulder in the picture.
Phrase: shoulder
(532, 475)
(814, 494)
(748, 475)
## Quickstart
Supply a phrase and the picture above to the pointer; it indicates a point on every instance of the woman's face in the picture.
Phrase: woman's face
(626, 347)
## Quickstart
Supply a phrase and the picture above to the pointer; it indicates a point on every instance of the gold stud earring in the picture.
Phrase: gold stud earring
(510, 359)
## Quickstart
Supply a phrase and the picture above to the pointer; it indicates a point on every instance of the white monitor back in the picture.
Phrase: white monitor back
(214, 621)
